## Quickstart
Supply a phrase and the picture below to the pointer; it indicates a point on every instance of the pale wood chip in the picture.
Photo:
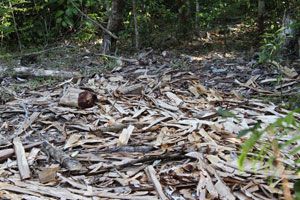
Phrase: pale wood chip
(48, 174)
(139, 112)
(21, 159)
(118, 107)
(152, 176)
(224, 191)
(26, 124)
(48, 191)
(13, 188)
(201, 188)
(173, 97)
(125, 135)
(33, 155)
(164, 105)
(73, 139)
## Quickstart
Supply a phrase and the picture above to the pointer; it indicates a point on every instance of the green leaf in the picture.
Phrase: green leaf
(59, 13)
(64, 24)
(297, 190)
(58, 20)
(60, 2)
(246, 131)
(69, 12)
(247, 146)
(69, 21)
(243, 132)
(225, 113)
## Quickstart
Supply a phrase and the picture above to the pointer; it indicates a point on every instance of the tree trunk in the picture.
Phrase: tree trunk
(299, 47)
(114, 25)
(136, 30)
(197, 21)
(289, 34)
(184, 13)
(261, 16)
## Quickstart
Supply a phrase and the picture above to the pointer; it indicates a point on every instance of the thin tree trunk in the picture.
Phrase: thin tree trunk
(289, 34)
(15, 26)
(197, 21)
(299, 47)
(136, 31)
(261, 15)
(114, 25)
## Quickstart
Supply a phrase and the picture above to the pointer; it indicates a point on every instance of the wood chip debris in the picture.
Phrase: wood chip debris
(154, 134)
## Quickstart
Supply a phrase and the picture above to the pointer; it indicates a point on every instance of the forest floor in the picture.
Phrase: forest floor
(165, 126)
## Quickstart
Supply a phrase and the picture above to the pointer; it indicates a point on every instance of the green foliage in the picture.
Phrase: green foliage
(281, 127)
(40, 22)
(161, 22)
(271, 47)
(66, 13)
(249, 144)
(297, 190)
(40, 82)
(225, 113)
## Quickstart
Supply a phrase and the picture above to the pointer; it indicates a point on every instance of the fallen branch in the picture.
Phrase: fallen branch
(61, 157)
(7, 153)
(34, 72)
(165, 157)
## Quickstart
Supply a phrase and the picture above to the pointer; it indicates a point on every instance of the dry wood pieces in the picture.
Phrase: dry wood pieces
(158, 133)
(21, 159)
(78, 98)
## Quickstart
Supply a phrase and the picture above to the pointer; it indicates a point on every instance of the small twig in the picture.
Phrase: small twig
(255, 89)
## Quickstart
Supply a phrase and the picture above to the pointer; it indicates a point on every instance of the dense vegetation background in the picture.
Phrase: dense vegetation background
(160, 23)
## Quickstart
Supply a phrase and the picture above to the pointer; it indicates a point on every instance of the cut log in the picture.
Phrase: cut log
(78, 98)
(37, 72)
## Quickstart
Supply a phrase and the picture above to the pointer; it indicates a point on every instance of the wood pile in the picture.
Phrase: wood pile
(154, 133)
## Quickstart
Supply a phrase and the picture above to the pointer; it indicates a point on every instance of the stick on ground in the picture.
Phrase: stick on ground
(21, 159)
